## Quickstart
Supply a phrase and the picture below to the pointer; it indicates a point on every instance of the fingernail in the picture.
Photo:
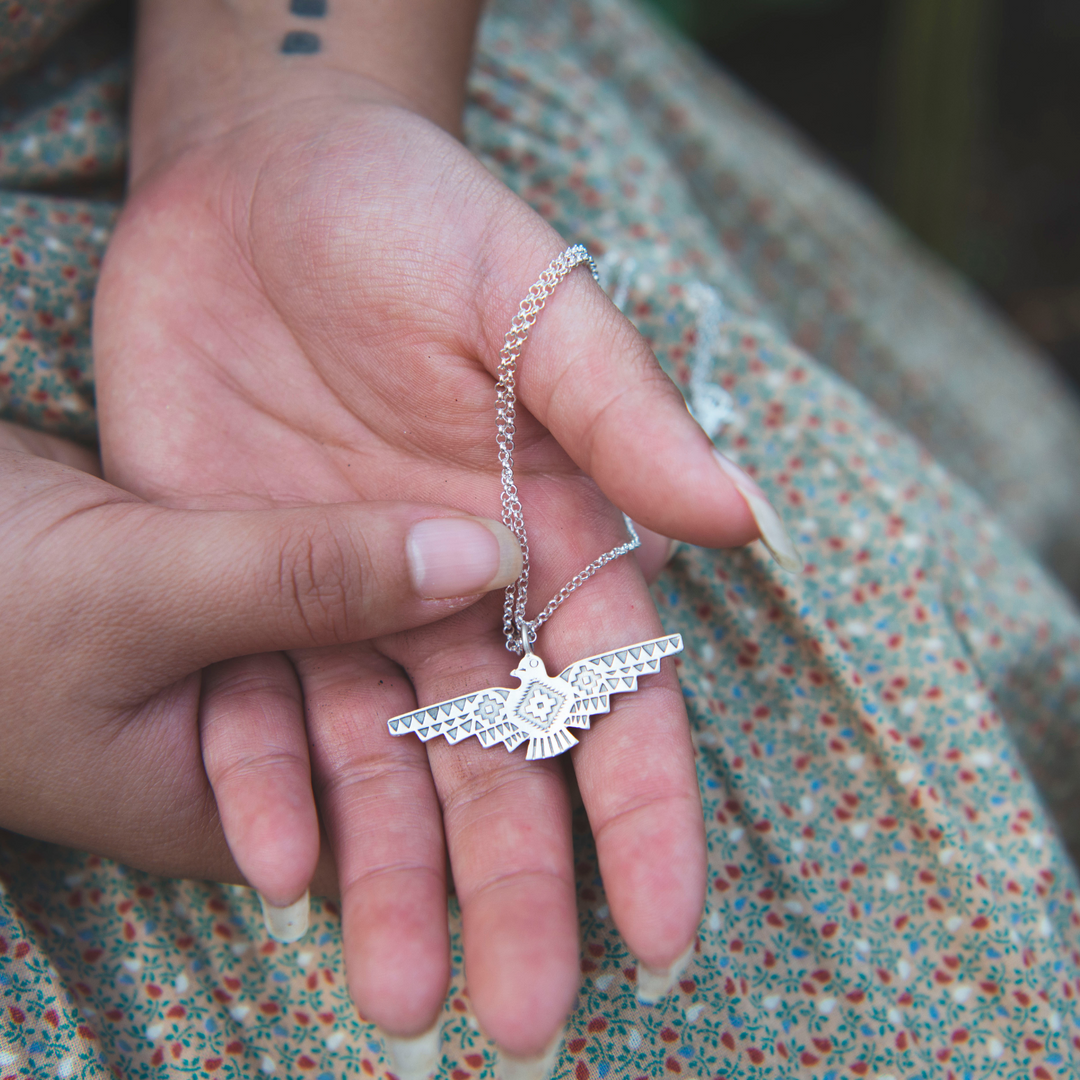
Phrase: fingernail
(460, 556)
(773, 533)
(537, 1068)
(673, 546)
(286, 924)
(416, 1058)
(653, 985)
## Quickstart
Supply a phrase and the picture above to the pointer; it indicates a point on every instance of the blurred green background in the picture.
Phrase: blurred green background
(962, 116)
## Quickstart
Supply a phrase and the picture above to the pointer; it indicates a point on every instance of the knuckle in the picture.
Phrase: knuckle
(322, 580)
(236, 770)
(366, 778)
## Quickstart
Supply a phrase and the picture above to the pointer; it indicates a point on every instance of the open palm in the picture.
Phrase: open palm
(288, 317)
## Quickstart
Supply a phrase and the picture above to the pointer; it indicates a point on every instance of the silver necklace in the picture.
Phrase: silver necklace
(543, 707)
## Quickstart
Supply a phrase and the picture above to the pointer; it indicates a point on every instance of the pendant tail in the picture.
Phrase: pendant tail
(545, 746)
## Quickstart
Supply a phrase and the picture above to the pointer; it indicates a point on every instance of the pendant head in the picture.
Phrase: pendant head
(529, 665)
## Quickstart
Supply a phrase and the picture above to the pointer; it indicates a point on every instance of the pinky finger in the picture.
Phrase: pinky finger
(254, 747)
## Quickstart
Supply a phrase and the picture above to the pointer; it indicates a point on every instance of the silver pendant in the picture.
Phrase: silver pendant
(543, 707)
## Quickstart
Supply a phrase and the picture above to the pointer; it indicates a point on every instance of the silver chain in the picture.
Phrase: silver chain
(520, 631)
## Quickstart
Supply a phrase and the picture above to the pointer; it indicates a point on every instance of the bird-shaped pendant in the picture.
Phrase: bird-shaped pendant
(543, 707)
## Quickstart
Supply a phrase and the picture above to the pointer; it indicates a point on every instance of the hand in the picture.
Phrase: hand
(111, 607)
(297, 309)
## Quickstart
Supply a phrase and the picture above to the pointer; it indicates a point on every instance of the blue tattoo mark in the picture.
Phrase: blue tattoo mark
(300, 42)
(308, 9)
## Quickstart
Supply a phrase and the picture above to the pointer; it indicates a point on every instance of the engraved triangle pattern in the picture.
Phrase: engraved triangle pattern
(543, 707)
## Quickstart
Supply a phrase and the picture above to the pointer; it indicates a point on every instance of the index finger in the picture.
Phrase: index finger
(591, 379)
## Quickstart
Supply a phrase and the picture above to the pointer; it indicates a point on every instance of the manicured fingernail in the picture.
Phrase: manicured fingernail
(286, 924)
(653, 985)
(416, 1058)
(537, 1068)
(460, 556)
(673, 546)
(773, 533)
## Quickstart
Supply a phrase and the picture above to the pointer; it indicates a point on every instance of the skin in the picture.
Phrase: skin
(304, 301)
(111, 608)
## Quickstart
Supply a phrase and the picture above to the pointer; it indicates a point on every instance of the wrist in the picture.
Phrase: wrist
(204, 68)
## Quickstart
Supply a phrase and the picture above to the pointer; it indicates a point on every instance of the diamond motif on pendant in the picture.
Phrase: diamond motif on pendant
(539, 706)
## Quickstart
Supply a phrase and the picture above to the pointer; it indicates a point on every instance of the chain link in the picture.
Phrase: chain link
(520, 631)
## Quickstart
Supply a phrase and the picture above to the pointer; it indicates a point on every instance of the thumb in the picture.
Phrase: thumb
(192, 587)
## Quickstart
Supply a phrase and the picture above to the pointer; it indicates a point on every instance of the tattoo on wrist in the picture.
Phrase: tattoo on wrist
(300, 42)
(303, 42)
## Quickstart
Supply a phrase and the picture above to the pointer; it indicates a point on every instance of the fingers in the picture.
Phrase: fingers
(382, 819)
(209, 585)
(507, 827)
(635, 771)
(254, 746)
(591, 379)
(508, 830)
(639, 786)
(507, 819)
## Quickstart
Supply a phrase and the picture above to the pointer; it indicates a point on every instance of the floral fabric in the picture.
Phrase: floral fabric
(887, 743)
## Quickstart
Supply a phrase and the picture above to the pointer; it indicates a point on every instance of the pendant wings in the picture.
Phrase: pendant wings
(596, 678)
(482, 714)
(542, 714)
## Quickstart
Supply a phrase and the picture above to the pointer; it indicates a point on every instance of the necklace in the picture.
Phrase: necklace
(543, 707)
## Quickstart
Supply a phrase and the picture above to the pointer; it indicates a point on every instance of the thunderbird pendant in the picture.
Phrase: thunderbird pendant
(543, 707)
